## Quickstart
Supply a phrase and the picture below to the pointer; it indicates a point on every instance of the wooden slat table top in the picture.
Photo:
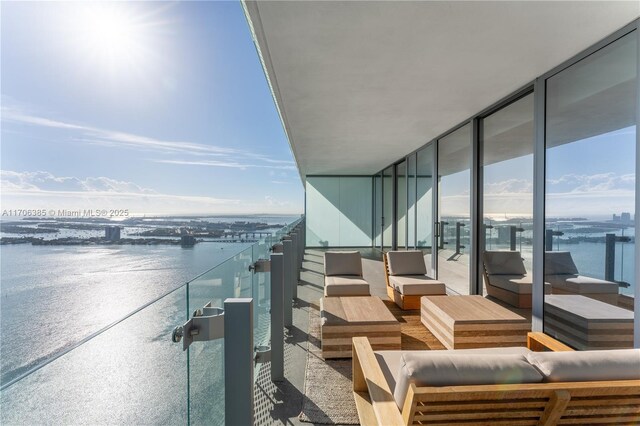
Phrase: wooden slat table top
(355, 310)
(472, 309)
(588, 308)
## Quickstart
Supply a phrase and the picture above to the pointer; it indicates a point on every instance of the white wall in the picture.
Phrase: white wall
(339, 211)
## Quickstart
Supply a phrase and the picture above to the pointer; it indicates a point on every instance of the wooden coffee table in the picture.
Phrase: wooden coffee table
(461, 322)
(344, 318)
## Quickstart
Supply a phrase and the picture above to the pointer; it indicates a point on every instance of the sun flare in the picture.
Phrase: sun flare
(115, 36)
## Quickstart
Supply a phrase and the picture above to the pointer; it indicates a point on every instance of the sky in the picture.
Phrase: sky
(153, 107)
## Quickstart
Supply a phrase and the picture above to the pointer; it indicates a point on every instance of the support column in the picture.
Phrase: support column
(238, 361)
(277, 317)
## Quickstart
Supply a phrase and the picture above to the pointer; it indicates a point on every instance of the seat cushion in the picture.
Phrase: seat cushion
(406, 263)
(389, 361)
(579, 366)
(503, 263)
(559, 262)
(345, 285)
(444, 368)
(342, 263)
(417, 285)
(520, 284)
(580, 284)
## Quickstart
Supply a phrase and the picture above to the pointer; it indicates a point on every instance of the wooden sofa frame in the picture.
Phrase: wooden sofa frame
(612, 402)
(405, 303)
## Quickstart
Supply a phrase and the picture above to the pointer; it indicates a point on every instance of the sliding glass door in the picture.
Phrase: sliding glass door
(454, 215)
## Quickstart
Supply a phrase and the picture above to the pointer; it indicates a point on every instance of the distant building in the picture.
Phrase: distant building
(187, 241)
(616, 218)
(625, 217)
(112, 233)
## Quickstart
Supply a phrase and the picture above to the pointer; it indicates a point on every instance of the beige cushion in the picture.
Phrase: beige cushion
(580, 284)
(345, 285)
(443, 368)
(520, 284)
(406, 263)
(503, 263)
(389, 361)
(615, 364)
(342, 263)
(559, 262)
(417, 285)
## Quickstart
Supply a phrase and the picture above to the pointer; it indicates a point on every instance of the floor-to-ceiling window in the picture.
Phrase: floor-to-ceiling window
(387, 208)
(424, 203)
(590, 198)
(377, 210)
(506, 167)
(454, 203)
(401, 205)
(411, 201)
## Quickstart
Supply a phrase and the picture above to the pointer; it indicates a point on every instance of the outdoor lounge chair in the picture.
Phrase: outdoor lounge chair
(496, 386)
(506, 278)
(343, 274)
(561, 272)
(407, 280)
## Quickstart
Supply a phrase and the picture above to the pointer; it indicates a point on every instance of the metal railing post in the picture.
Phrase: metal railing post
(512, 238)
(277, 317)
(288, 280)
(294, 271)
(238, 361)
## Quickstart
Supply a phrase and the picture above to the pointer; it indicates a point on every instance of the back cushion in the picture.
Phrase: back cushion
(503, 263)
(579, 366)
(444, 369)
(342, 263)
(406, 263)
(559, 262)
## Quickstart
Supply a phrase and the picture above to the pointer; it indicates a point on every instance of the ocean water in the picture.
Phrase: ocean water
(52, 297)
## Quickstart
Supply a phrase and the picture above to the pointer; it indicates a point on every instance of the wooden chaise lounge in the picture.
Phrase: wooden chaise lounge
(561, 272)
(343, 274)
(594, 387)
(407, 280)
(507, 279)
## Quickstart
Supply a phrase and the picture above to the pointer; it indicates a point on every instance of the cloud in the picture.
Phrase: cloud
(590, 184)
(509, 186)
(228, 164)
(44, 181)
(43, 190)
(225, 156)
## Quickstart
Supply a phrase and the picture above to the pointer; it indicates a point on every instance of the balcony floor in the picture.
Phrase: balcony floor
(281, 403)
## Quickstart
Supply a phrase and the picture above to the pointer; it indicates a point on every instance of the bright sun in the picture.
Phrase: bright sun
(115, 36)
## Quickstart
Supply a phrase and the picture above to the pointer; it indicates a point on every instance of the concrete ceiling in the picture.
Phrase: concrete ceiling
(360, 84)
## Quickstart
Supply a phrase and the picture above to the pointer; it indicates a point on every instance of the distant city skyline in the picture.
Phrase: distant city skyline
(160, 108)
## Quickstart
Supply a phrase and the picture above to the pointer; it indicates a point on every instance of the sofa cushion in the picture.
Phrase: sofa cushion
(580, 284)
(406, 263)
(579, 366)
(342, 263)
(559, 262)
(417, 285)
(345, 285)
(503, 263)
(443, 368)
(389, 361)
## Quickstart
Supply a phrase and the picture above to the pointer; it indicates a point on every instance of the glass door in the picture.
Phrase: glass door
(424, 205)
(454, 205)
(401, 205)
(387, 208)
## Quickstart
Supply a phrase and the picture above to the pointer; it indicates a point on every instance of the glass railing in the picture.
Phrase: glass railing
(132, 373)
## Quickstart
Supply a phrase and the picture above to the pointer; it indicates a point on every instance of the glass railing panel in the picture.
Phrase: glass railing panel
(130, 374)
(231, 278)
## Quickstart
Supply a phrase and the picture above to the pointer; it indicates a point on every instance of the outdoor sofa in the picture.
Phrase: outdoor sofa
(502, 386)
